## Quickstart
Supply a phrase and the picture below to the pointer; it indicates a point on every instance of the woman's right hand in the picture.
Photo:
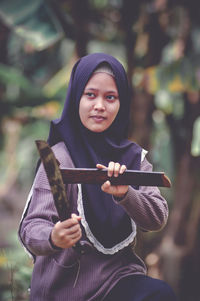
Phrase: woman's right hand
(65, 234)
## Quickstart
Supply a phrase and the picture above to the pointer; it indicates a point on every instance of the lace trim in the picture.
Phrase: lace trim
(143, 154)
(27, 203)
(22, 217)
(92, 238)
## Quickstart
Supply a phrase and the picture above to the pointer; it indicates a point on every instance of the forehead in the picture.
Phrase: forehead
(101, 80)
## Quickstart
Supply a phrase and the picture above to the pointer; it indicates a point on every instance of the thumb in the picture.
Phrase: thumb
(74, 216)
(101, 166)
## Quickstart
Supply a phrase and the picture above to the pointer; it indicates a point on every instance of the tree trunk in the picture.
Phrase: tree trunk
(181, 243)
(81, 16)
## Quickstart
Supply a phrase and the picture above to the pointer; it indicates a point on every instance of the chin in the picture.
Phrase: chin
(97, 130)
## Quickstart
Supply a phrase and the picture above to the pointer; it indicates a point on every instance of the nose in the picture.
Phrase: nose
(99, 104)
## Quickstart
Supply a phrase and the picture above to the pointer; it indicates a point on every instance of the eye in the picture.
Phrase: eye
(111, 97)
(90, 95)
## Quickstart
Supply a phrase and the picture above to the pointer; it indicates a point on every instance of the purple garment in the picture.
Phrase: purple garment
(61, 275)
(108, 222)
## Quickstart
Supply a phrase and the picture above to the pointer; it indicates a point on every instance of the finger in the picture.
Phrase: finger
(122, 169)
(111, 166)
(73, 230)
(69, 223)
(106, 186)
(116, 169)
(76, 235)
(74, 241)
(71, 241)
(76, 217)
(58, 226)
(101, 166)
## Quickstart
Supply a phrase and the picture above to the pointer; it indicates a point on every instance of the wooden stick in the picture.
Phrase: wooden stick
(129, 177)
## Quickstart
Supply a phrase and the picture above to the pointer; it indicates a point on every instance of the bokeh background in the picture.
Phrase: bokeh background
(158, 42)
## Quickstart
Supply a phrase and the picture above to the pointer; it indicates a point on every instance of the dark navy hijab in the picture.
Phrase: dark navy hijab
(108, 222)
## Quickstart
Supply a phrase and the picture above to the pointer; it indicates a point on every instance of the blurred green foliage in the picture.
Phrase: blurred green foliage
(33, 21)
(15, 270)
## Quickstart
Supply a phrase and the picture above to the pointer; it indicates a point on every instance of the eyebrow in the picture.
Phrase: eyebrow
(94, 89)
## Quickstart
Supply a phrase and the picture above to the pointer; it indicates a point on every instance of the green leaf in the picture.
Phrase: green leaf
(20, 91)
(33, 21)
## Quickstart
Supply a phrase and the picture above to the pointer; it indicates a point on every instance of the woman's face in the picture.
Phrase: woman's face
(99, 103)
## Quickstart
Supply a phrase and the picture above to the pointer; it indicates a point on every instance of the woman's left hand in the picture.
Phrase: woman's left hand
(114, 169)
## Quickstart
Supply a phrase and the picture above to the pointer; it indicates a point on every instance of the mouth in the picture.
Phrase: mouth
(98, 118)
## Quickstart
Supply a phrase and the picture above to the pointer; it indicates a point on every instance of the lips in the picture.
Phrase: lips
(98, 118)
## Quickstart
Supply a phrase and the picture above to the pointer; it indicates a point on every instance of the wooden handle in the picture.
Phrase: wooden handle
(129, 177)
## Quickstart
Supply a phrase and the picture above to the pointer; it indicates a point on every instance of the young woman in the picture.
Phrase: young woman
(92, 132)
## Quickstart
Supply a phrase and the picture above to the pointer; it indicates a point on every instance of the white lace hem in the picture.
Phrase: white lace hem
(92, 238)
(21, 220)
(143, 154)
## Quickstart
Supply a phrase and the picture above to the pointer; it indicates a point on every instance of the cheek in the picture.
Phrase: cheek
(84, 109)
(115, 110)
(81, 111)
(82, 114)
